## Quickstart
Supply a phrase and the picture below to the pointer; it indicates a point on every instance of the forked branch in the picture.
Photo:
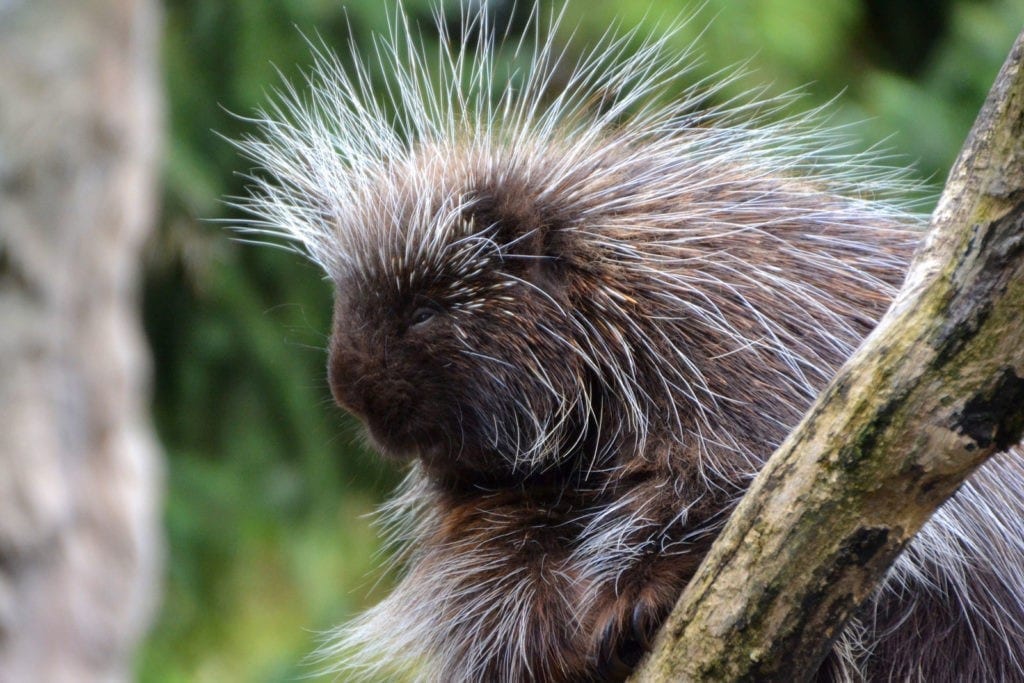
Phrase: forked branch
(933, 392)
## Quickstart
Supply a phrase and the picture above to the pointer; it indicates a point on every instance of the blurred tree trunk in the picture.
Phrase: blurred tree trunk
(80, 545)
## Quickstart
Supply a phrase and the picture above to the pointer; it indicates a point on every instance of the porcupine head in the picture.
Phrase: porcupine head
(559, 280)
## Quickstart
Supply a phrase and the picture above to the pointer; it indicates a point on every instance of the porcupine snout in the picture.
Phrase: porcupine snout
(364, 373)
(384, 373)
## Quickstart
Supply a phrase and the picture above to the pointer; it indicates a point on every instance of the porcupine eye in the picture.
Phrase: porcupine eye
(422, 315)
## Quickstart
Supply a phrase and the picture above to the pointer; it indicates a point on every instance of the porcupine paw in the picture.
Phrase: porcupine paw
(626, 635)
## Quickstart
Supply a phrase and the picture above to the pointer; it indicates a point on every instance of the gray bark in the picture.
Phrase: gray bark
(80, 543)
(932, 393)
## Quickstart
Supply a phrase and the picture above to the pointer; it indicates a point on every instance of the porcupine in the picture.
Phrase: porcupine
(585, 319)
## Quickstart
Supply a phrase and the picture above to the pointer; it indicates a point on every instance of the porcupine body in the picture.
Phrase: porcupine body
(586, 319)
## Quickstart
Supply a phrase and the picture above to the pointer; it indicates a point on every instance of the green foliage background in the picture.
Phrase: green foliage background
(268, 486)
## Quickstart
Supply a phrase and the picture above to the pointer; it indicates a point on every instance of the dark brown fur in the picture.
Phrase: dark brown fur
(584, 330)
(419, 397)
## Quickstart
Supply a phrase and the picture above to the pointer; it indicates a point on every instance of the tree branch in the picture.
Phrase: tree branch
(931, 394)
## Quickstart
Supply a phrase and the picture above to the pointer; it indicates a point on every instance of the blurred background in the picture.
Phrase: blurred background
(268, 489)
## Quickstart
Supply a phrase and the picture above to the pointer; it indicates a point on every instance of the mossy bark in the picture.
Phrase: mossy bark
(932, 393)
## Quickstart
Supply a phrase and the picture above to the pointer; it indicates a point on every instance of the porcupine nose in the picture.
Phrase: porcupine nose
(349, 372)
(361, 383)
